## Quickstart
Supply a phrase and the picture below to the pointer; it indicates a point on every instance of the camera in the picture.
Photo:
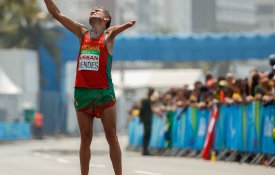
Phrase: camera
(272, 64)
(272, 60)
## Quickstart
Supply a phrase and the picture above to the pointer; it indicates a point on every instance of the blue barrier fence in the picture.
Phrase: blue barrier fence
(15, 131)
(243, 128)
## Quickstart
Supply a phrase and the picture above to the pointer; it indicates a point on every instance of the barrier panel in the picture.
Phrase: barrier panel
(176, 128)
(15, 131)
(234, 127)
(158, 131)
(135, 131)
(208, 142)
(191, 128)
(267, 116)
(243, 128)
(179, 139)
(203, 116)
(219, 142)
(169, 118)
(253, 127)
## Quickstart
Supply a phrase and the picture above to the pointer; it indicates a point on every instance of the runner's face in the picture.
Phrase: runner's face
(97, 14)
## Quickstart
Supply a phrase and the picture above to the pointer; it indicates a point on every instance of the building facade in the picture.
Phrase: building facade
(265, 20)
(235, 15)
(180, 16)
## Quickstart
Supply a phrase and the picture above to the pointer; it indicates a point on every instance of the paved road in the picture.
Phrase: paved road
(59, 156)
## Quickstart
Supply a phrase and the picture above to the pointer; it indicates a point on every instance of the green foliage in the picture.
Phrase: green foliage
(23, 25)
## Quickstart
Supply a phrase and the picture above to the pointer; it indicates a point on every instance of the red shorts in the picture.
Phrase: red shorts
(96, 111)
(93, 101)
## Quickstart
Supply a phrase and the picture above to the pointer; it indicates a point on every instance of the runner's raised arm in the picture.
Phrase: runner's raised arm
(114, 31)
(75, 27)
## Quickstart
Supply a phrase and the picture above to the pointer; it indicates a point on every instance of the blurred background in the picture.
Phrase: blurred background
(173, 44)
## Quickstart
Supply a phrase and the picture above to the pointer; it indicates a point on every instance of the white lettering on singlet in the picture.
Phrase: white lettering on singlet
(88, 62)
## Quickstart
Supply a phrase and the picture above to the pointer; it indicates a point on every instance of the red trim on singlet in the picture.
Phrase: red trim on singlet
(93, 78)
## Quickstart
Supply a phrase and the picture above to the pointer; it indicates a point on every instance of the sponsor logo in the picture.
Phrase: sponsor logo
(89, 61)
(89, 48)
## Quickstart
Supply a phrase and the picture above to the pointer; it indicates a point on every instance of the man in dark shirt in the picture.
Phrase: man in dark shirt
(146, 114)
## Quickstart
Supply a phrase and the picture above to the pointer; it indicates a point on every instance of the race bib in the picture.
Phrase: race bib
(89, 60)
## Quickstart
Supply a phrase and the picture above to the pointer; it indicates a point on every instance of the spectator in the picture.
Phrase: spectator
(38, 125)
(146, 113)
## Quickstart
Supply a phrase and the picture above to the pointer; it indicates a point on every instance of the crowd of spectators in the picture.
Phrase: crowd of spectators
(221, 90)
(225, 90)
(257, 85)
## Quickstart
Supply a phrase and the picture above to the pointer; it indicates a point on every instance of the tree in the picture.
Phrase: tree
(24, 25)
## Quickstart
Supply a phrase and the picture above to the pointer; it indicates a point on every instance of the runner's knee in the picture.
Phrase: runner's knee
(111, 137)
(86, 139)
